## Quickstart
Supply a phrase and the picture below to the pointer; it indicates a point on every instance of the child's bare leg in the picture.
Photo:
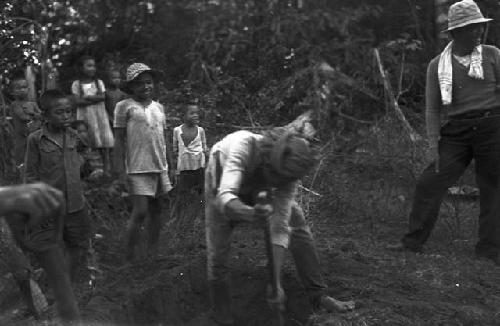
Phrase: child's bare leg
(139, 212)
(106, 160)
(53, 263)
(77, 230)
(74, 257)
(154, 226)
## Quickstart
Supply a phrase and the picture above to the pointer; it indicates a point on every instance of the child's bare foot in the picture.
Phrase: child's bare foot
(331, 304)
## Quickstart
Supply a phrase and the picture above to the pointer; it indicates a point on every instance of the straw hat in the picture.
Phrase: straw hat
(464, 13)
(135, 69)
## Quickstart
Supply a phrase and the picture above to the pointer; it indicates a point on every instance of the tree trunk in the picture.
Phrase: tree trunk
(441, 22)
(31, 77)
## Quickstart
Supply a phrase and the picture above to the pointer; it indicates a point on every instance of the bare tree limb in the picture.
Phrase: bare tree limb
(312, 192)
(418, 31)
(414, 136)
(348, 117)
(228, 125)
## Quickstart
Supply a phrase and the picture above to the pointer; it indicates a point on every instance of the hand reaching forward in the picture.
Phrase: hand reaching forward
(38, 201)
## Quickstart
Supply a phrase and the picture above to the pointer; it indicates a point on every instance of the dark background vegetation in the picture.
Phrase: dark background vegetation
(252, 62)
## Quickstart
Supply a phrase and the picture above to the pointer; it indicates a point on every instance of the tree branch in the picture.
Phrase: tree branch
(414, 136)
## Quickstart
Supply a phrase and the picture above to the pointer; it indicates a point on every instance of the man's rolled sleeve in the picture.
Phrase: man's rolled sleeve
(232, 174)
(280, 220)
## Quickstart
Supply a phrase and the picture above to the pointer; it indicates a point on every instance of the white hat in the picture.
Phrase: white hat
(463, 13)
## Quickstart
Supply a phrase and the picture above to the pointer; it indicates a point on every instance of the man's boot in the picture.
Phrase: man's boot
(220, 299)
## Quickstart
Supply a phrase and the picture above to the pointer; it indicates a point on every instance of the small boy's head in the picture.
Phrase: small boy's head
(87, 65)
(19, 86)
(114, 78)
(81, 127)
(191, 113)
(57, 107)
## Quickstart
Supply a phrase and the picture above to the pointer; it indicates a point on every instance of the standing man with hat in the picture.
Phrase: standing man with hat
(463, 123)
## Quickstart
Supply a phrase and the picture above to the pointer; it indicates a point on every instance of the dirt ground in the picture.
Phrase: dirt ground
(352, 225)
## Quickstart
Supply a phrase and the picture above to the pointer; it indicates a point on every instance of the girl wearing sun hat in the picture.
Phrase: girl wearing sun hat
(142, 157)
(463, 123)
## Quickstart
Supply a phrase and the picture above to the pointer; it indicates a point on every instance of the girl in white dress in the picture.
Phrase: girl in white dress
(90, 95)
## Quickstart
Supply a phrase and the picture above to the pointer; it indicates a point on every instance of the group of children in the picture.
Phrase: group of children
(50, 139)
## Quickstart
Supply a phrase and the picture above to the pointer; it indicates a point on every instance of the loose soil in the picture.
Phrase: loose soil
(443, 286)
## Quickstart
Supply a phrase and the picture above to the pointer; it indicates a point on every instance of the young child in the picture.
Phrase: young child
(113, 92)
(141, 138)
(190, 149)
(52, 158)
(90, 94)
(86, 157)
(26, 116)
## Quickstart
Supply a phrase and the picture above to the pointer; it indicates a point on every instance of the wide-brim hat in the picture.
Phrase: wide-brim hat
(135, 69)
(463, 13)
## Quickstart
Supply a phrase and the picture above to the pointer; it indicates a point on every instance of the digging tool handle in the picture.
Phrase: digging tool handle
(262, 200)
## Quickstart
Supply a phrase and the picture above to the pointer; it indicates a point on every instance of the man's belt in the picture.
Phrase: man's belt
(476, 114)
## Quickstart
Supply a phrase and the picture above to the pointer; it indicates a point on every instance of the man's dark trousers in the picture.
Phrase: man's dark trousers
(461, 141)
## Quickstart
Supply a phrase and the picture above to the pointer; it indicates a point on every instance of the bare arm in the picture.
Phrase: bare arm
(168, 150)
(95, 98)
(78, 99)
(175, 144)
(81, 99)
(119, 152)
(204, 141)
(37, 200)
(101, 93)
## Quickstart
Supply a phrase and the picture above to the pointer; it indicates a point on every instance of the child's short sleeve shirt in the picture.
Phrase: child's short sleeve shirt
(145, 126)
(57, 164)
(191, 156)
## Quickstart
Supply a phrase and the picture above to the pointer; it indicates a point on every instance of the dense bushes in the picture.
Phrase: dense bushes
(257, 62)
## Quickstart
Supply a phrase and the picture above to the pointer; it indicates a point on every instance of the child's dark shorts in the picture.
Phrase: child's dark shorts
(75, 229)
(191, 179)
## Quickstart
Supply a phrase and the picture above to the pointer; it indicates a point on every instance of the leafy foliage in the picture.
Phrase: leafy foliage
(249, 63)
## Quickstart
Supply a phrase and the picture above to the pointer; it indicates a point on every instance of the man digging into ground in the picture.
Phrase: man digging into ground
(463, 85)
(241, 165)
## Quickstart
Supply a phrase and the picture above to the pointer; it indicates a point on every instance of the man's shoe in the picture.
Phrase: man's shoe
(331, 304)
(401, 247)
